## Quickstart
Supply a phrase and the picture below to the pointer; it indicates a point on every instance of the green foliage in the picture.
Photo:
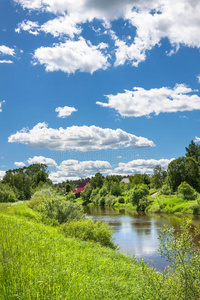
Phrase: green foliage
(121, 199)
(183, 169)
(85, 195)
(165, 189)
(54, 206)
(24, 181)
(97, 181)
(110, 200)
(6, 193)
(89, 230)
(143, 203)
(115, 189)
(159, 176)
(187, 191)
(138, 192)
(71, 197)
(179, 249)
(193, 151)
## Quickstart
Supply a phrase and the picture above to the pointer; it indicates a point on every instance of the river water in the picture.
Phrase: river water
(138, 234)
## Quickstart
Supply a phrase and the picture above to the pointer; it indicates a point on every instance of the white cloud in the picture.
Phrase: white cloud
(83, 138)
(19, 164)
(141, 102)
(154, 20)
(65, 111)
(26, 25)
(2, 173)
(72, 56)
(197, 139)
(42, 160)
(140, 166)
(74, 169)
(1, 105)
(6, 50)
(4, 61)
(198, 78)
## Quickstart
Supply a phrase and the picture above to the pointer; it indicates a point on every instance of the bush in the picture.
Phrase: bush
(110, 200)
(89, 230)
(54, 206)
(71, 196)
(142, 204)
(187, 191)
(7, 194)
(138, 192)
(165, 189)
(120, 199)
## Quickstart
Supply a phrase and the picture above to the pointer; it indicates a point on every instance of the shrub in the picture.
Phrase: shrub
(89, 230)
(120, 199)
(142, 204)
(71, 196)
(165, 189)
(7, 194)
(138, 192)
(110, 200)
(187, 191)
(54, 206)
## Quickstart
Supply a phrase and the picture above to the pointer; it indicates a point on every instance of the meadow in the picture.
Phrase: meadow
(39, 261)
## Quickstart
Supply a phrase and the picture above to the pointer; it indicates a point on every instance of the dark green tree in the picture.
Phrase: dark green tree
(183, 169)
(97, 181)
(159, 176)
(193, 151)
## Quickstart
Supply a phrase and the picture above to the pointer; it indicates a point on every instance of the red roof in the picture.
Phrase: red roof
(80, 188)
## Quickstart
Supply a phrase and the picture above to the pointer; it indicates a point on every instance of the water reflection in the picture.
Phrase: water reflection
(137, 234)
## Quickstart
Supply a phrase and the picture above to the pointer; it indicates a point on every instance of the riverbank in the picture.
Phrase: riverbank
(171, 204)
(39, 262)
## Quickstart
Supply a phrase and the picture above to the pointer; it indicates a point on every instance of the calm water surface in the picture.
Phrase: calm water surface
(138, 234)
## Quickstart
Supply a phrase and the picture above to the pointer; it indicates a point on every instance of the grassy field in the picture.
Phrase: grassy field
(38, 262)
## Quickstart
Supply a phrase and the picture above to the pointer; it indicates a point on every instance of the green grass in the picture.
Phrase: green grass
(38, 262)
(172, 204)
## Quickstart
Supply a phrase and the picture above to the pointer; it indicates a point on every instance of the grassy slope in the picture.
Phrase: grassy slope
(173, 204)
(37, 262)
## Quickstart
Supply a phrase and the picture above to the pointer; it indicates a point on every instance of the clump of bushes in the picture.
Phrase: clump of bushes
(7, 194)
(165, 189)
(187, 191)
(54, 206)
(137, 193)
(89, 230)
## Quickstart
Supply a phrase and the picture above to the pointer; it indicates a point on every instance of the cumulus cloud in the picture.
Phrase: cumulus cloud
(74, 169)
(72, 56)
(141, 102)
(197, 139)
(140, 166)
(65, 111)
(153, 20)
(1, 105)
(26, 25)
(42, 160)
(19, 164)
(83, 138)
(2, 173)
(6, 50)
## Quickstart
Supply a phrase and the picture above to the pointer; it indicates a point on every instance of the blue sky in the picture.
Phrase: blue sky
(89, 86)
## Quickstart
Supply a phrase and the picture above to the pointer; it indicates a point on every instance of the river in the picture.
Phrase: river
(138, 234)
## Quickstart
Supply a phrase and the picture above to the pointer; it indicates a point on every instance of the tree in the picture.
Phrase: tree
(183, 169)
(193, 151)
(97, 181)
(159, 176)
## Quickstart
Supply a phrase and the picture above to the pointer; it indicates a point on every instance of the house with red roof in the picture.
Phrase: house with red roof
(81, 187)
